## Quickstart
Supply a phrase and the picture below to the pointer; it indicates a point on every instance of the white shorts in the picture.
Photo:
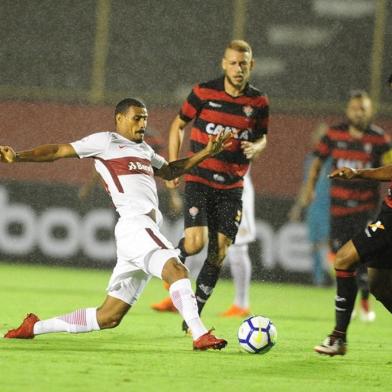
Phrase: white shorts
(142, 251)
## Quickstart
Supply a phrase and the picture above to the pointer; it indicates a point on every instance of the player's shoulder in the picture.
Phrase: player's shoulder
(253, 91)
(214, 84)
(340, 127)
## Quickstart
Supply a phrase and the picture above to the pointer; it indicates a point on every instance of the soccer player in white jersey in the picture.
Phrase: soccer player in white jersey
(127, 166)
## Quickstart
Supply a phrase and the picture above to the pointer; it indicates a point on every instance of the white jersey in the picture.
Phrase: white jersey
(247, 230)
(126, 168)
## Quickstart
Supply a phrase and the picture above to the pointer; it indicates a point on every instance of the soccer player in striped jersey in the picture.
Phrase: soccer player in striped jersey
(213, 189)
(127, 166)
(359, 144)
(370, 247)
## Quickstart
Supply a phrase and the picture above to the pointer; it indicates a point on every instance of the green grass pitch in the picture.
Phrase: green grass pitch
(148, 352)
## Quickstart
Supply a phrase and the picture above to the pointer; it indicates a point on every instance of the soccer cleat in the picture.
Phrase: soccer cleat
(236, 311)
(332, 346)
(25, 330)
(208, 341)
(166, 305)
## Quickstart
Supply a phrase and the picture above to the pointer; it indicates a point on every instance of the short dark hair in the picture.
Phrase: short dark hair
(123, 106)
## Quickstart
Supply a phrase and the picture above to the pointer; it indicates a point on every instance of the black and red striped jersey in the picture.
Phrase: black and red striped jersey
(356, 196)
(213, 110)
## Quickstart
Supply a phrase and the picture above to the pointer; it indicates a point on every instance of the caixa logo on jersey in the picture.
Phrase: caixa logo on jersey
(241, 134)
(24, 231)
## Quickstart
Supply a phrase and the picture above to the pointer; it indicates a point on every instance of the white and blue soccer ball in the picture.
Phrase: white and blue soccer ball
(257, 334)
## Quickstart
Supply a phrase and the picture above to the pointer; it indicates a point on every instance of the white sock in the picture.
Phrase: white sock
(82, 320)
(184, 300)
(240, 267)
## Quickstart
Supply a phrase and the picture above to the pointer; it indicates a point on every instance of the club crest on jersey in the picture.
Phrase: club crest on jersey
(248, 110)
(193, 211)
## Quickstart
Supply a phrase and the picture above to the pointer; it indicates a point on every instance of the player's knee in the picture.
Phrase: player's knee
(109, 320)
(343, 260)
(194, 245)
(173, 271)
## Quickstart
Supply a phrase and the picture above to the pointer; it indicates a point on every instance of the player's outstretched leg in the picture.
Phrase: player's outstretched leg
(108, 315)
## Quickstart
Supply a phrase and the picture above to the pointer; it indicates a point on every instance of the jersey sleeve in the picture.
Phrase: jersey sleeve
(157, 160)
(92, 145)
(192, 105)
(324, 147)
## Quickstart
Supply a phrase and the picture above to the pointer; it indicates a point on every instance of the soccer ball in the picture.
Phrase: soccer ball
(257, 335)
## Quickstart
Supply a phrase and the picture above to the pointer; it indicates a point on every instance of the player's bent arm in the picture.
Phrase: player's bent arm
(44, 153)
(176, 137)
(383, 173)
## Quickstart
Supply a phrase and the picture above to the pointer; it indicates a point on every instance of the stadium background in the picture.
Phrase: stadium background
(64, 65)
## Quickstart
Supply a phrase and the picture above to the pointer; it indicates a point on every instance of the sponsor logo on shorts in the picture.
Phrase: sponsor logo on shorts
(193, 211)
(377, 225)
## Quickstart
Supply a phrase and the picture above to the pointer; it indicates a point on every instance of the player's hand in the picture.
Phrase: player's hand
(218, 143)
(250, 149)
(172, 184)
(345, 173)
(7, 154)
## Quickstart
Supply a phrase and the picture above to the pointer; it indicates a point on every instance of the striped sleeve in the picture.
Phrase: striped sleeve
(192, 106)
(262, 119)
(323, 148)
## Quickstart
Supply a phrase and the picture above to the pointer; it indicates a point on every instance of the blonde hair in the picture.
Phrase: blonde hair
(240, 45)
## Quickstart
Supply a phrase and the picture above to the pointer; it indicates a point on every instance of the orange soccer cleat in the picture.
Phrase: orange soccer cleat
(25, 330)
(236, 311)
(207, 341)
(166, 305)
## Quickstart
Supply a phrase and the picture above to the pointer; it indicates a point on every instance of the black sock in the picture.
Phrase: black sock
(205, 283)
(183, 253)
(346, 292)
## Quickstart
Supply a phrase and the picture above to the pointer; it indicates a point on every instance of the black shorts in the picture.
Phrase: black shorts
(344, 228)
(219, 210)
(374, 244)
